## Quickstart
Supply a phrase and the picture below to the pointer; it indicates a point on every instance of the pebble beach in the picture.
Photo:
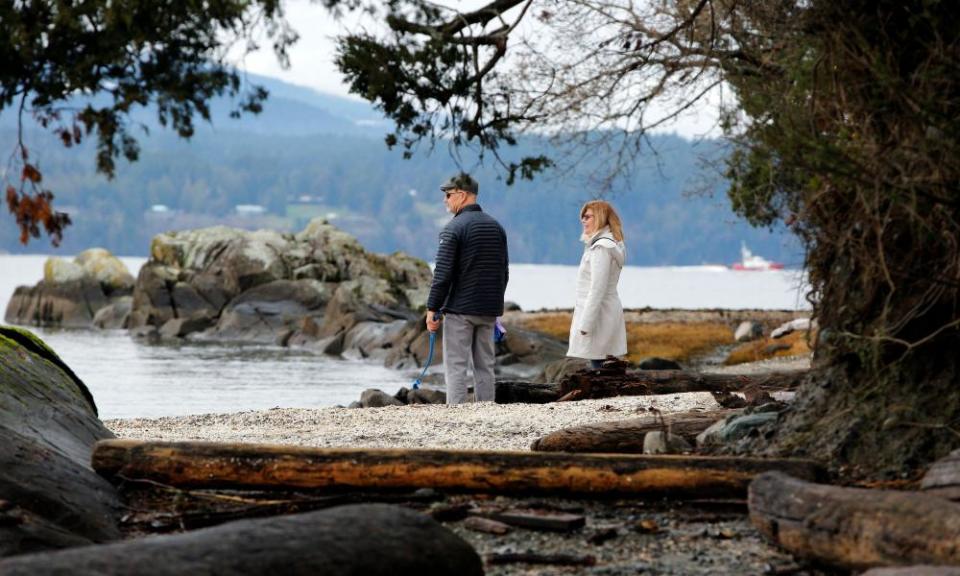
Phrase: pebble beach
(473, 426)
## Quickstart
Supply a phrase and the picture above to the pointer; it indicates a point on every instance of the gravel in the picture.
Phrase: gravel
(477, 426)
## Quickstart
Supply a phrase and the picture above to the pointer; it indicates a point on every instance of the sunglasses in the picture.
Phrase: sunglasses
(447, 195)
(586, 217)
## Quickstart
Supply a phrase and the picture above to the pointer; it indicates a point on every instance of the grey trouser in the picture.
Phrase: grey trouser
(464, 338)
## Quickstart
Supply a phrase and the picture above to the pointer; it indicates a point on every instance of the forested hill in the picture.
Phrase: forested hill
(311, 154)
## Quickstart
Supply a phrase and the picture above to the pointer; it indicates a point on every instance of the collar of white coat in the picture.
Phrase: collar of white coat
(598, 239)
(601, 233)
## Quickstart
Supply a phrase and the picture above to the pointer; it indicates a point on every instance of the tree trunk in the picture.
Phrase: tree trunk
(246, 466)
(625, 436)
(361, 539)
(852, 527)
(604, 384)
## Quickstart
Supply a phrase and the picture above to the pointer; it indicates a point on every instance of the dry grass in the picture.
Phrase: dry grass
(672, 340)
(555, 324)
(792, 344)
(675, 341)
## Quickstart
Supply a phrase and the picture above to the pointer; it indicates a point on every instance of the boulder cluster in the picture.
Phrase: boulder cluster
(73, 293)
(266, 286)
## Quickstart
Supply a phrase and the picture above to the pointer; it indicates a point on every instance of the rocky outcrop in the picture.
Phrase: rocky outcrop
(50, 498)
(73, 293)
(307, 289)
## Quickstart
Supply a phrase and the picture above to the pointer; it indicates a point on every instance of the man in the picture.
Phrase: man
(469, 280)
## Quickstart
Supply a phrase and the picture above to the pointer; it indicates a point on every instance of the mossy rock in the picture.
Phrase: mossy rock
(48, 424)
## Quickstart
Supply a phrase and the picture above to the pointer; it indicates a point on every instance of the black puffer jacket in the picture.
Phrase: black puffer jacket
(471, 273)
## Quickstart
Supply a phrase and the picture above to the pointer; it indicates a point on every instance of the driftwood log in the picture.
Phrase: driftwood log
(361, 539)
(625, 436)
(855, 528)
(510, 392)
(607, 383)
(253, 466)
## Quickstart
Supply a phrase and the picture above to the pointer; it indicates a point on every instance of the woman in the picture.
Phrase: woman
(598, 329)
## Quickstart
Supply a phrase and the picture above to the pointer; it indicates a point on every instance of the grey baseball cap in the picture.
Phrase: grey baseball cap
(461, 182)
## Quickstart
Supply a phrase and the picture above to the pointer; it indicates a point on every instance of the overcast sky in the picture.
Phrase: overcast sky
(311, 60)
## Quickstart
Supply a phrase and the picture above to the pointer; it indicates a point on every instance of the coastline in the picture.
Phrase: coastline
(471, 426)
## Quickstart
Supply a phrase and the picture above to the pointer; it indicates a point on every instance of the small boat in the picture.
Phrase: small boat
(752, 262)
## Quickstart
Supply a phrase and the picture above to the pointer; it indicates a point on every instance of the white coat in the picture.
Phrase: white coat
(598, 311)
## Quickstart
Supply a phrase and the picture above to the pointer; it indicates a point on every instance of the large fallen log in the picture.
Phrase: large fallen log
(606, 383)
(855, 528)
(361, 539)
(253, 466)
(625, 436)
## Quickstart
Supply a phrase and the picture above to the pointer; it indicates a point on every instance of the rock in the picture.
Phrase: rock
(372, 340)
(346, 540)
(508, 392)
(771, 349)
(374, 398)
(60, 271)
(748, 330)
(410, 346)
(299, 289)
(152, 298)
(914, 571)
(662, 443)
(559, 369)
(114, 315)
(943, 477)
(367, 299)
(426, 396)
(70, 304)
(734, 428)
(268, 309)
(791, 326)
(50, 497)
(181, 327)
(106, 269)
(71, 293)
(655, 363)
(149, 333)
(355, 404)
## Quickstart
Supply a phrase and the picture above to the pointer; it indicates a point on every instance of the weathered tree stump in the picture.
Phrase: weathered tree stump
(253, 466)
(605, 383)
(348, 540)
(625, 436)
(855, 528)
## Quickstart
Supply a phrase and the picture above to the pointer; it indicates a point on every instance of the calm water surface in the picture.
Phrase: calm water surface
(131, 379)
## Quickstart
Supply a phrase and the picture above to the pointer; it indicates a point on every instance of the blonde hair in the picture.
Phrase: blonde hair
(605, 215)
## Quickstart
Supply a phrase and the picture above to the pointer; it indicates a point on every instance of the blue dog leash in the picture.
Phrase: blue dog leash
(433, 341)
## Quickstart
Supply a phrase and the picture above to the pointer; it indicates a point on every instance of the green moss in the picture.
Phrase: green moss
(12, 338)
(5, 332)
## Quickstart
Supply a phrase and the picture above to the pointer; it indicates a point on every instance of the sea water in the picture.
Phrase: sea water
(130, 378)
